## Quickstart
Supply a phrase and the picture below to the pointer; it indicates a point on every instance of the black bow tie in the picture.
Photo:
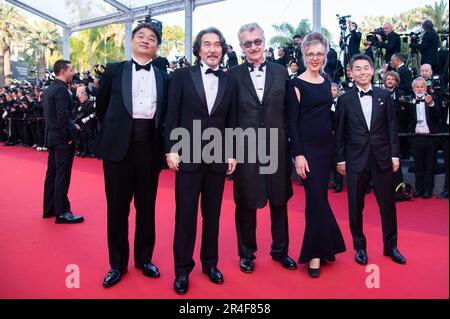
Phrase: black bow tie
(420, 101)
(368, 93)
(216, 73)
(251, 66)
(146, 67)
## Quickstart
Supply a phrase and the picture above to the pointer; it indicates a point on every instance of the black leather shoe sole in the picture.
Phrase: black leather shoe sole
(114, 281)
(69, 221)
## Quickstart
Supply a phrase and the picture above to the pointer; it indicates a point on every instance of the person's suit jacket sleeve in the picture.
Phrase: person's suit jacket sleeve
(392, 126)
(425, 44)
(341, 132)
(104, 92)
(62, 100)
(173, 108)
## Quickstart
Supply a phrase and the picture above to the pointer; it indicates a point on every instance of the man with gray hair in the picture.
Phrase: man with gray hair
(261, 107)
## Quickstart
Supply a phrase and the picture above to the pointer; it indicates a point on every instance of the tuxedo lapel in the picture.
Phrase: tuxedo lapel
(127, 86)
(198, 83)
(159, 95)
(375, 106)
(220, 93)
(358, 107)
(269, 81)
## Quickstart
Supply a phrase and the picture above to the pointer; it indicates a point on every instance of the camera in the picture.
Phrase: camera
(415, 37)
(405, 99)
(372, 36)
(343, 21)
(180, 60)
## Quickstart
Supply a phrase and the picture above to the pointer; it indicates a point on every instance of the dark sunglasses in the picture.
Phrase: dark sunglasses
(249, 44)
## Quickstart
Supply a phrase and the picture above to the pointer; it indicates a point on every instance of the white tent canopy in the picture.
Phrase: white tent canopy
(76, 15)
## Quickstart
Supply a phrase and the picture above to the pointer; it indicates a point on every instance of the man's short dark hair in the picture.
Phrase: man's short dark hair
(427, 24)
(359, 57)
(398, 56)
(293, 62)
(198, 42)
(59, 66)
(149, 27)
(297, 36)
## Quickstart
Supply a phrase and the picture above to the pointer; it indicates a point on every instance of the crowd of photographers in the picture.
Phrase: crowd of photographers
(420, 96)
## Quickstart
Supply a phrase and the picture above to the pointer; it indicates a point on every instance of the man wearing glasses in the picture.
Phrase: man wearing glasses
(261, 107)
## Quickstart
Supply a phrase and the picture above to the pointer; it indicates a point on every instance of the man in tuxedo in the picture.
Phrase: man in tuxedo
(131, 108)
(207, 95)
(368, 150)
(282, 57)
(293, 69)
(261, 106)
(424, 120)
(59, 139)
(393, 43)
(352, 42)
(428, 47)
(298, 53)
(406, 76)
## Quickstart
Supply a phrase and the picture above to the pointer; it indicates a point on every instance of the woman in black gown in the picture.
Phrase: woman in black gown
(312, 141)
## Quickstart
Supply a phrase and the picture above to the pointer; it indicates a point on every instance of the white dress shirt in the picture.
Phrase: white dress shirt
(421, 125)
(366, 104)
(211, 85)
(259, 80)
(144, 94)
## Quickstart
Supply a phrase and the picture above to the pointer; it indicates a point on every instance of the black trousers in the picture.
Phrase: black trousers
(246, 231)
(188, 187)
(57, 179)
(383, 188)
(135, 176)
(425, 156)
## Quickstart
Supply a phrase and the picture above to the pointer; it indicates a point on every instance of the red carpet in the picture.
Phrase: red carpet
(34, 252)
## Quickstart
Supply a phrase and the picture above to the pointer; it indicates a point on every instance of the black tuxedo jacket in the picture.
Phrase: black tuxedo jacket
(187, 103)
(432, 115)
(355, 141)
(58, 112)
(115, 111)
(428, 47)
(251, 189)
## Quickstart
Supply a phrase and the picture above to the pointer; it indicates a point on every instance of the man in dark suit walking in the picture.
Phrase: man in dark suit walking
(202, 95)
(261, 107)
(131, 108)
(368, 149)
(59, 139)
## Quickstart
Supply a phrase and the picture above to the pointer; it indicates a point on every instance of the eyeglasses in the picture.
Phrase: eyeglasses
(311, 56)
(249, 44)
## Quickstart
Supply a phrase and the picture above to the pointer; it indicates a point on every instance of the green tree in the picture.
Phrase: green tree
(438, 13)
(172, 36)
(11, 28)
(286, 32)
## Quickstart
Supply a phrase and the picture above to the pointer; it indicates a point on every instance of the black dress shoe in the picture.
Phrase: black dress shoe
(181, 284)
(68, 218)
(361, 257)
(426, 195)
(418, 194)
(443, 195)
(396, 256)
(48, 214)
(313, 273)
(113, 277)
(286, 261)
(246, 265)
(149, 270)
(214, 274)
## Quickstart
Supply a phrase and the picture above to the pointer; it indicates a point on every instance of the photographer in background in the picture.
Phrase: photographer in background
(297, 53)
(391, 43)
(87, 122)
(429, 46)
(406, 77)
(352, 42)
(282, 57)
